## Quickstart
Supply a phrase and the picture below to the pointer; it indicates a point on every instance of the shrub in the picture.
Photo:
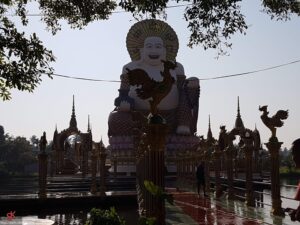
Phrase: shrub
(105, 217)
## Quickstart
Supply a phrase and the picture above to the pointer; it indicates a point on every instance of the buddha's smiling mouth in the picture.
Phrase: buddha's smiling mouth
(153, 56)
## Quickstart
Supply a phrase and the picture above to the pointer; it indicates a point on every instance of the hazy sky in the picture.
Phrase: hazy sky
(99, 51)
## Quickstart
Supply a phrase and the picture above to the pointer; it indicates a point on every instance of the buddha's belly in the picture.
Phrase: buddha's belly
(168, 103)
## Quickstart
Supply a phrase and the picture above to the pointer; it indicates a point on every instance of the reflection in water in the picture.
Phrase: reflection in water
(286, 192)
(80, 216)
(206, 212)
(72, 219)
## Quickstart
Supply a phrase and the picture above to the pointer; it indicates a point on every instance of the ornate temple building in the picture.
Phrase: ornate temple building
(71, 149)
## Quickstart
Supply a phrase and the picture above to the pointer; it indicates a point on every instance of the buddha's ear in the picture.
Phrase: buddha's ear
(141, 53)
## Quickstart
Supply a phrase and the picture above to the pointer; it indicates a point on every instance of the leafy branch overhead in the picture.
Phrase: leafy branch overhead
(23, 59)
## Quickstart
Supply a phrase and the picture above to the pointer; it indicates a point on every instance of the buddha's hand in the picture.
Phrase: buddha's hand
(183, 130)
(124, 102)
(192, 82)
(124, 106)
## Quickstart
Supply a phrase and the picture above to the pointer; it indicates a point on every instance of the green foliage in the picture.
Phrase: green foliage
(147, 221)
(286, 160)
(137, 7)
(24, 59)
(105, 217)
(15, 154)
(212, 23)
(77, 13)
(281, 9)
(289, 172)
(2, 137)
(158, 191)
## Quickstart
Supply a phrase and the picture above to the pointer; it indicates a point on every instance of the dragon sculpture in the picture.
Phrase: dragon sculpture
(274, 121)
(151, 88)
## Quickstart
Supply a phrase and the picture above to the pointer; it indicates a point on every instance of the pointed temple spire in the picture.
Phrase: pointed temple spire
(239, 122)
(209, 133)
(89, 127)
(101, 142)
(73, 122)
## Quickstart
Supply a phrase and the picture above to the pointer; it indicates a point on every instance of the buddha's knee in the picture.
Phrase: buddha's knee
(120, 123)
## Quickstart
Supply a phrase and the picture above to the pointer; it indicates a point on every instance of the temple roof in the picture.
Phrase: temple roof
(239, 122)
(73, 122)
(209, 133)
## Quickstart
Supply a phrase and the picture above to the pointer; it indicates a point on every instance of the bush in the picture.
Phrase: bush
(105, 217)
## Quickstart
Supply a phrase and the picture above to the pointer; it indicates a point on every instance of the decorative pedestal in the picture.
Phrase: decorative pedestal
(42, 174)
(94, 173)
(103, 155)
(248, 149)
(273, 146)
(151, 167)
(229, 162)
(217, 158)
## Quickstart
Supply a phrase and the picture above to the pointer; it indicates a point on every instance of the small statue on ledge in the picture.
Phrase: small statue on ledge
(43, 143)
(274, 121)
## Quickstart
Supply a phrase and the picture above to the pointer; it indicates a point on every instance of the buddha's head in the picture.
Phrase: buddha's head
(153, 51)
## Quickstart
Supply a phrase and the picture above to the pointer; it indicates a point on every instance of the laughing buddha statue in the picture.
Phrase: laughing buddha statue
(150, 43)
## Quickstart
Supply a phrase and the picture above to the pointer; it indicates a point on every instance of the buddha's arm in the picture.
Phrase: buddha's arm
(188, 102)
(124, 102)
(180, 76)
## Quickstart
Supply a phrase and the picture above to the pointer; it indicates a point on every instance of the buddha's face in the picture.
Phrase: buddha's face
(153, 51)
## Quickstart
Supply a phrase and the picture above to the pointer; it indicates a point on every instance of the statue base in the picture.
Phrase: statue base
(156, 119)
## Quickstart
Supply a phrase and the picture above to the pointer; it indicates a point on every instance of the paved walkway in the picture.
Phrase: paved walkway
(190, 209)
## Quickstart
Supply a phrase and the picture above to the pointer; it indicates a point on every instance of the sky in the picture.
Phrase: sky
(99, 51)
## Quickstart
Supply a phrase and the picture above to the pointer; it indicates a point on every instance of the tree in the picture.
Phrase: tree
(22, 60)
(211, 24)
(2, 137)
(15, 154)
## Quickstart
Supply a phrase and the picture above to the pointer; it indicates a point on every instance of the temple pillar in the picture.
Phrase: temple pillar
(229, 163)
(217, 160)
(206, 169)
(52, 164)
(273, 146)
(235, 166)
(42, 157)
(115, 165)
(156, 134)
(248, 149)
(94, 170)
(84, 159)
(102, 170)
(42, 174)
